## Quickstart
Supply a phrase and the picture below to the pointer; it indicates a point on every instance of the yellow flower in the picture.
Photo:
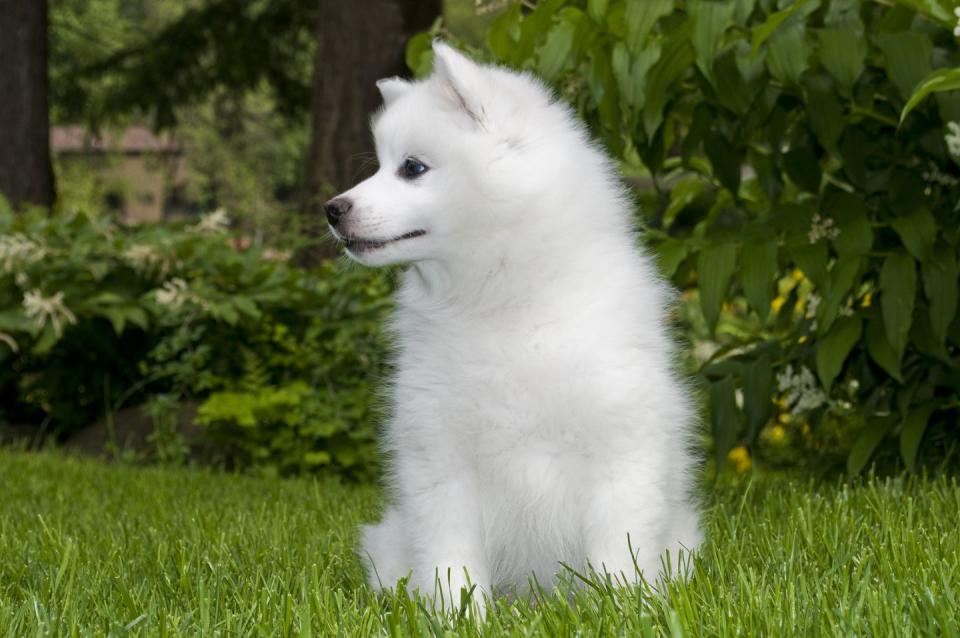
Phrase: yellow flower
(739, 457)
(802, 339)
(776, 433)
(867, 299)
(805, 429)
(777, 303)
(737, 454)
(784, 418)
(797, 275)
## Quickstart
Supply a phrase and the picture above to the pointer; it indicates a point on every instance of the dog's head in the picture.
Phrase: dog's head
(449, 150)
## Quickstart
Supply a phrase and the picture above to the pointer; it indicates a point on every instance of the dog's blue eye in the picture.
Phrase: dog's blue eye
(413, 168)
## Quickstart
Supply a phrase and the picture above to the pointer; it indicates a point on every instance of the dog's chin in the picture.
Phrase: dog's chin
(380, 252)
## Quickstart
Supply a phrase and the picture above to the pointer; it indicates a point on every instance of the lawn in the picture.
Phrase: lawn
(94, 549)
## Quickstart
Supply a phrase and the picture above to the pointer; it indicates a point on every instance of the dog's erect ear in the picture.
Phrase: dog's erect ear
(463, 77)
(392, 88)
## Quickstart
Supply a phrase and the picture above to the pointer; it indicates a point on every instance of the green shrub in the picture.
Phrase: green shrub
(814, 231)
(94, 316)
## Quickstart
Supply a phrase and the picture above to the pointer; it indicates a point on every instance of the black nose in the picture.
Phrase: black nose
(336, 208)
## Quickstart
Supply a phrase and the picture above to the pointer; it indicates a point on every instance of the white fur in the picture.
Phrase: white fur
(536, 418)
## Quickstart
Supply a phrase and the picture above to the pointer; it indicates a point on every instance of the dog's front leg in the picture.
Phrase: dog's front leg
(446, 533)
(624, 526)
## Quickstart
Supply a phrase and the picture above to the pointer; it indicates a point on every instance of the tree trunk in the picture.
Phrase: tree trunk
(358, 43)
(26, 176)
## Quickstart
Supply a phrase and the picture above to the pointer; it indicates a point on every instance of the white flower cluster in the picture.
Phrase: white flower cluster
(146, 259)
(483, 7)
(10, 341)
(175, 294)
(936, 177)
(822, 228)
(43, 310)
(17, 250)
(956, 29)
(813, 302)
(800, 390)
(216, 222)
(953, 139)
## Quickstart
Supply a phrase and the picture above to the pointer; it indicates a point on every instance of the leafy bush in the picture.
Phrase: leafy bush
(814, 231)
(94, 316)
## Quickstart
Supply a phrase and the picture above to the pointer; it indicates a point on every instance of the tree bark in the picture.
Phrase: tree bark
(358, 43)
(26, 175)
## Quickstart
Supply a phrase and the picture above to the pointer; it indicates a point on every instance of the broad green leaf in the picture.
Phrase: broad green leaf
(138, 317)
(670, 254)
(117, 318)
(676, 59)
(914, 425)
(757, 393)
(812, 259)
(843, 51)
(224, 312)
(758, 270)
(880, 349)
(724, 161)
(918, 232)
(938, 81)
(923, 339)
(788, 53)
(940, 283)
(710, 19)
(533, 28)
(45, 343)
(898, 285)
(246, 306)
(502, 35)
(826, 116)
(834, 347)
(731, 87)
(598, 10)
(682, 195)
(105, 298)
(867, 443)
(419, 54)
(842, 276)
(556, 50)
(742, 12)
(849, 213)
(762, 33)
(641, 16)
(803, 168)
(907, 55)
(317, 458)
(724, 418)
(631, 72)
(603, 88)
(14, 320)
(715, 268)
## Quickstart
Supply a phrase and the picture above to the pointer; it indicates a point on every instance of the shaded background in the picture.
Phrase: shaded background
(168, 292)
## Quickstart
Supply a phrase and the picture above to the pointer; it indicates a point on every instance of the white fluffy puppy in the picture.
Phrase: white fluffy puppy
(536, 418)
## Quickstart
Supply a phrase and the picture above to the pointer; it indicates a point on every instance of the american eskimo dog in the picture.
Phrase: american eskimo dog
(536, 419)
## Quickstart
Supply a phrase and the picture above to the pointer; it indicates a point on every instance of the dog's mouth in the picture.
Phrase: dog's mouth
(360, 245)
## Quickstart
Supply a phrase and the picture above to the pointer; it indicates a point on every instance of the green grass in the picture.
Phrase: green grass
(89, 549)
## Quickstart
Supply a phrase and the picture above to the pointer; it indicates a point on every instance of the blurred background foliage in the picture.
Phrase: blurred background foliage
(795, 165)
